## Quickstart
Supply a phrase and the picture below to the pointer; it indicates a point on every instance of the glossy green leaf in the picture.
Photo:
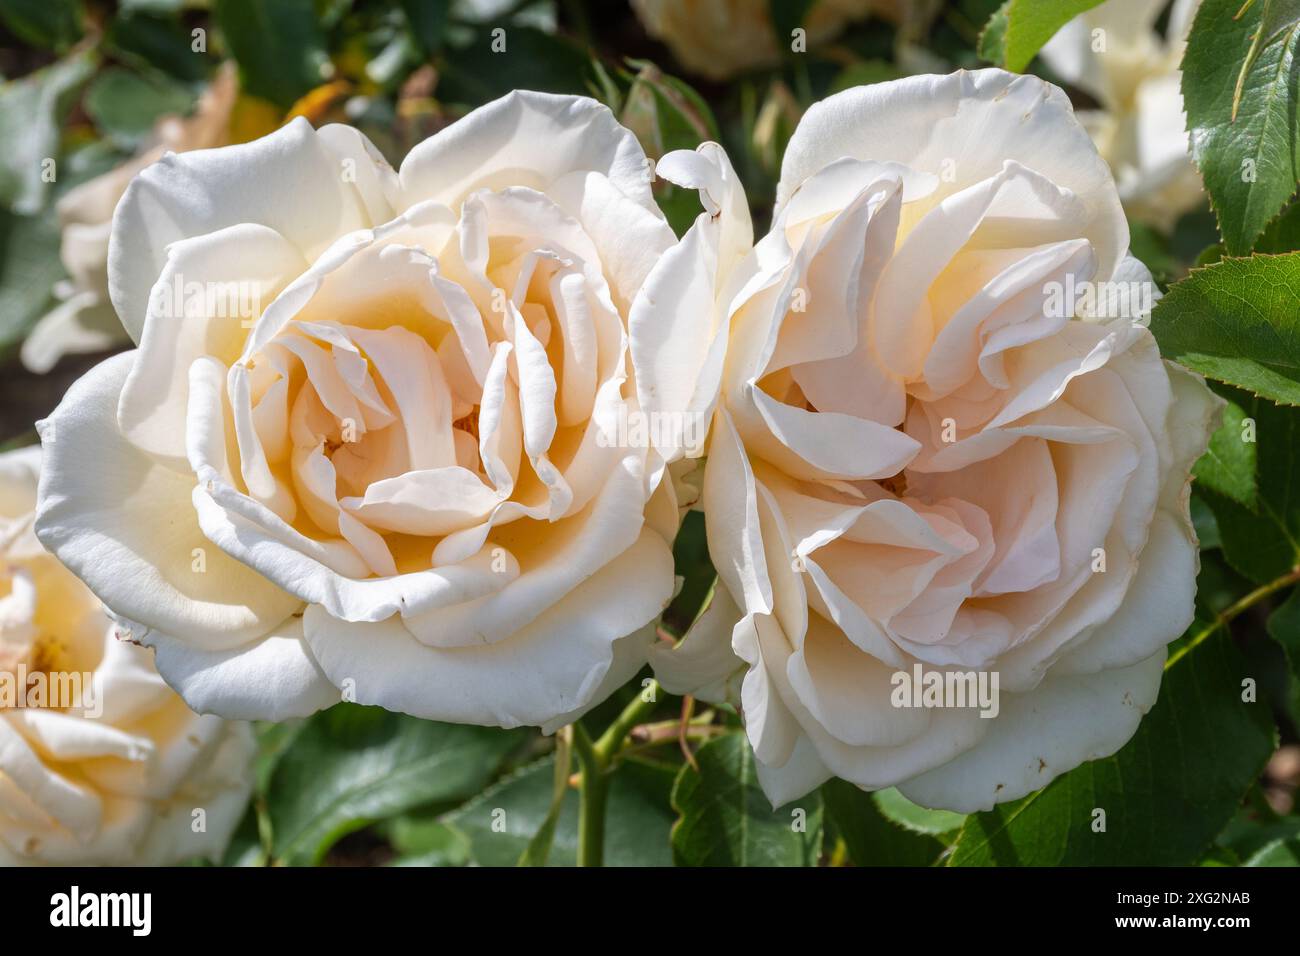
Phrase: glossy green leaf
(918, 819)
(429, 843)
(1249, 162)
(1165, 795)
(1228, 465)
(502, 821)
(280, 47)
(724, 819)
(1284, 627)
(1264, 543)
(350, 766)
(1282, 234)
(1236, 321)
(871, 838)
(1019, 28)
(539, 847)
(1277, 853)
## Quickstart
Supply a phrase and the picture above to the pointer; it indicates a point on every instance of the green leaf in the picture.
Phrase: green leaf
(532, 60)
(29, 267)
(869, 836)
(502, 821)
(155, 7)
(1277, 853)
(1228, 465)
(50, 24)
(725, 819)
(350, 766)
(1166, 794)
(918, 819)
(539, 847)
(1019, 28)
(864, 73)
(1264, 544)
(429, 843)
(1255, 827)
(1151, 248)
(31, 114)
(1278, 19)
(1236, 321)
(1284, 627)
(1207, 528)
(245, 847)
(279, 46)
(427, 20)
(1249, 163)
(786, 15)
(1283, 233)
(126, 105)
(155, 45)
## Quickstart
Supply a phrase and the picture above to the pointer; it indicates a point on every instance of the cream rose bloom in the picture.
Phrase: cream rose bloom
(917, 460)
(398, 481)
(1140, 127)
(84, 320)
(100, 763)
(720, 38)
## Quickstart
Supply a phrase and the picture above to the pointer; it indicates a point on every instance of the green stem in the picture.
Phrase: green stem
(596, 760)
(612, 740)
(1225, 617)
(591, 800)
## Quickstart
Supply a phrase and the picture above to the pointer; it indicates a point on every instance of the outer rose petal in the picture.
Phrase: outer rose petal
(924, 121)
(272, 678)
(525, 139)
(703, 661)
(1042, 734)
(125, 526)
(677, 327)
(190, 194)
(554, 666)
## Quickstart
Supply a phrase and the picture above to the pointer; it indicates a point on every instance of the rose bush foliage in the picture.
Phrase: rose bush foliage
(837, 371)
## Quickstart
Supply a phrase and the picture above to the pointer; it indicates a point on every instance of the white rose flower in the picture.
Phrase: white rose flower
(1114, 53)
(392, 473)
(84, 320)
(931, 447)
(100, 763)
